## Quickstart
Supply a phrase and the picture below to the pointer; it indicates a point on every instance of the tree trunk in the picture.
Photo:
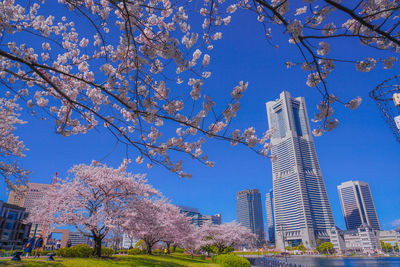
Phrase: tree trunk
(97, 246)
(148, 247)
(168, 245)
(173, 248)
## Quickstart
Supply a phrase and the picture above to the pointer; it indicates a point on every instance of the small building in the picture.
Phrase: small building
(392, 237)
(364, 240)
(14, 231)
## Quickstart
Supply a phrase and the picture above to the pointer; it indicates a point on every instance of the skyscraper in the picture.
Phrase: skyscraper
(249, 212)
(301, 207)
(270, 216)
(357, 205)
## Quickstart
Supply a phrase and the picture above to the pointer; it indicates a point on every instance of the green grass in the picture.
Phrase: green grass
(173, 260)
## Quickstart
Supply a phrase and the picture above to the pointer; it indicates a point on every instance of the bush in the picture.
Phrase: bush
(230, 260)
(157, 251)
(122, 251)
(106, 252)
(78, 251)
(45, 252)
(202, 257)
(135, 251)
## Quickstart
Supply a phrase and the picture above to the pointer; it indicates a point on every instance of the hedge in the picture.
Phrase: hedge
(230, 260)
(136, 251)
(106, 252)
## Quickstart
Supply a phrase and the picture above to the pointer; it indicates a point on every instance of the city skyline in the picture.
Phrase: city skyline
(349, 146)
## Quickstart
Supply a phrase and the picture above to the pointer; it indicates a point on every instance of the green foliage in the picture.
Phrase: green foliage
(157, 251)
(288, 248)
(230, 260)
(139, 243)
(326, 247)
(387, 247)
(301, 247)
(122, 251)
(396, 247)
(136, 251)
(78, 251)
(106, 252)
(202, 257)
(45, 252)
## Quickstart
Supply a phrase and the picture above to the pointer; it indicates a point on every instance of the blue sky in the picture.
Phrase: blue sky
(361, 148)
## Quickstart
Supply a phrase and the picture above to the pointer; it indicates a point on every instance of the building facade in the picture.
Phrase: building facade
(270, 216)
(199, 219)
(357, 205)
(302, 211)
(13, 230)
(363, 240)
(32, 193)
(249, 213)
(80, 238)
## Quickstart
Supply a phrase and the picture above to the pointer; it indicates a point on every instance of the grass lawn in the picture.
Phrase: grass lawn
(174, 260)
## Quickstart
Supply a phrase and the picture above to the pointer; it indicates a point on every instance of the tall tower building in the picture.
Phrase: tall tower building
(270, 216)
(301, 207)
(357, 205)
(249, 212)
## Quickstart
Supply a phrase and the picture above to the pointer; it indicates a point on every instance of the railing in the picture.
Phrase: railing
(272, 262)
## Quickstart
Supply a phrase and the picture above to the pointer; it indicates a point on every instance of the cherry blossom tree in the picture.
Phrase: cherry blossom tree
(139, 68)
(155, 220)
(178, 227)
(225, 235)
(11, 148)
(94, 200)
(133, 67)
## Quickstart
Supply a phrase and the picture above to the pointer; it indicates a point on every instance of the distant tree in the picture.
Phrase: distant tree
(301, 247)
(93, 200)
(326, 247)
(396, 247)
(225, 235)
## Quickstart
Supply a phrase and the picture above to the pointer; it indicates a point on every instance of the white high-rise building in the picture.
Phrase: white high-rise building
(301, 207)
(357, 205)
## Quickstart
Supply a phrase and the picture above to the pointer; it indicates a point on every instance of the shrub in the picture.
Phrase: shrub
(157, 251)
(78, 251)
(135, 251)
(122, 251)
(202, 257)
(45, 252)
(230, 260)
(106, 252)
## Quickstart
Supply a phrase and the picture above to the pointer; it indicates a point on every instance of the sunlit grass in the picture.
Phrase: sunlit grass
(174, 260)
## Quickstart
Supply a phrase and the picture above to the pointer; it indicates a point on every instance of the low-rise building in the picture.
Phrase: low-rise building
(364, 239)
(392, 237)
(13, 230)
